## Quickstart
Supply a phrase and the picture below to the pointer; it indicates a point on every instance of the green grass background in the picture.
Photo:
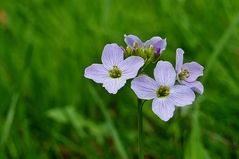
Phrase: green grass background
(48, 110)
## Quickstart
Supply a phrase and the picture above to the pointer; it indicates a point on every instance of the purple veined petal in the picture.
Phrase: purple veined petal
(164, 73)
(181, 95)
(163, 108)
(144, 87)
(158, 43)
(195, 86)
(96, 72)
(112, 85)
(179, 60)
(131, 66)
(131, 39)
(112, 55)
(195, 70)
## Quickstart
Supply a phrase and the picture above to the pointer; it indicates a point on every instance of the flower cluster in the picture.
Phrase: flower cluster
(169, 88)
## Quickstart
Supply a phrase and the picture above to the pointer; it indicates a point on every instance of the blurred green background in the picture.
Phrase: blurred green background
(48, 110)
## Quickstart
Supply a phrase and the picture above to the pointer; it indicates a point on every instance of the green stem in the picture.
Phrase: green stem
(140, 129)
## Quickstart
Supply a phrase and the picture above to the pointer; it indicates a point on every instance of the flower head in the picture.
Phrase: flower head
(188, 73)
(165, 94)
(114, 71)
(156, 43)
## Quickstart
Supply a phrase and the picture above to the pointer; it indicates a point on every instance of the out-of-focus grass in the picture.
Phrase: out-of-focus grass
(48, 110)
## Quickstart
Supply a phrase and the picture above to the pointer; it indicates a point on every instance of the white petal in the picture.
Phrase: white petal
(181, 95)
(164, 73)
(131, 66)
(179, 59)
(96, 72)
(195, 70)
(144, 87)
(196, 86)
(112, 85)
(163, 108)
(112, 55)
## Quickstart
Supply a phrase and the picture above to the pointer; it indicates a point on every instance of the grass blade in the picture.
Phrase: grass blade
(219, 46)
(9, 120)
(118, 143)
(195, 134)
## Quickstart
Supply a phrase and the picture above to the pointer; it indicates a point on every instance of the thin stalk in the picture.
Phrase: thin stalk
(140, 129)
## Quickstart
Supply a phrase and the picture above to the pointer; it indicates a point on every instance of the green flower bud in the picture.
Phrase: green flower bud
(142, 53)
(150, 53)
(136, 45)
(128, 52)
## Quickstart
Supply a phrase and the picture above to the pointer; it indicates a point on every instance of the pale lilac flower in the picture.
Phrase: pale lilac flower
(162, 90)
(188, 73)
(156, 42)
(114, 71)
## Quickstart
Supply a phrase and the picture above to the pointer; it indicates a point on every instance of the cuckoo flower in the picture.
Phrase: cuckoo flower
(157, 43)
(188, 73)
(114, 71)
(165, 94)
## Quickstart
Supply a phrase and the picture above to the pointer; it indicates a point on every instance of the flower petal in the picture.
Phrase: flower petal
(158, 43)
(112, 55)
(144, 87)
(112, 85)
(96, 72)
(181, 95)
(195, 70)
(163, 108)
(195, 86)
(131, 39)
(164, 73)
(179, 60)
(131, 66)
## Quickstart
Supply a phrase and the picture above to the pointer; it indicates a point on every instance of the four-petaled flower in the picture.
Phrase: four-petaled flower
(188, 73)
(114, 71)
(165, 94)
(156, 42)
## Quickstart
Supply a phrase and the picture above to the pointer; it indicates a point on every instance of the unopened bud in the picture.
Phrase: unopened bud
(136, 45)
(142, 53)
(150, 51)
(128, 51)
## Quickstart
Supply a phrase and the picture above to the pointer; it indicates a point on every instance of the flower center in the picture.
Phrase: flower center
(163, 91)
(115, 72)
(184, 74)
